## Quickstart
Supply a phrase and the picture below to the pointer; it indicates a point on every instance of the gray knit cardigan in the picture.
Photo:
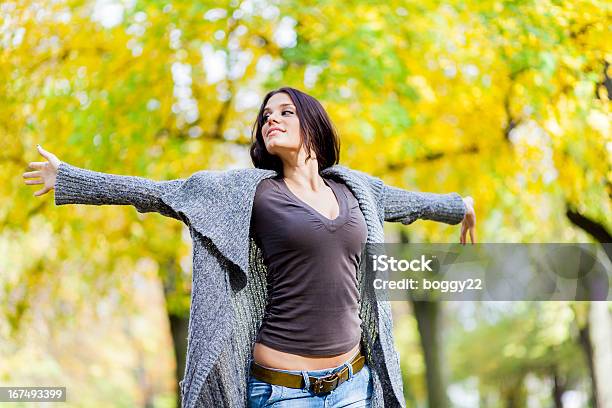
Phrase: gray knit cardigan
(229, 277)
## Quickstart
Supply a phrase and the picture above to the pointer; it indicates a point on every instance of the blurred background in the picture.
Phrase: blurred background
(506, 101)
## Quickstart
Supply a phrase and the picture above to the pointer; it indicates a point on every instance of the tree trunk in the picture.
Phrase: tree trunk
(513, 394)
(600, 336)
(179, 326)
(558, 388)
(428, 317)
(585, 342)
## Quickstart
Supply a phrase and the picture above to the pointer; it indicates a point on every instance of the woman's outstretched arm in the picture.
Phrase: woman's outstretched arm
(74, 185)
(408, 206)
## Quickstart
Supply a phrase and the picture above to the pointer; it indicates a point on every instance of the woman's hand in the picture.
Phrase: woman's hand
(469, 221)
(47, 171)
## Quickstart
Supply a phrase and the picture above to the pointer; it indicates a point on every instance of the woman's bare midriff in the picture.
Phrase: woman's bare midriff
(271, 358)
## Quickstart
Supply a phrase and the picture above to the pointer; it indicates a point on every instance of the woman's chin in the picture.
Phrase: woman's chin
(273, 147)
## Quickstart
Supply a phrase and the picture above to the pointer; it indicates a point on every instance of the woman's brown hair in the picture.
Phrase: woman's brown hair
(317, 133)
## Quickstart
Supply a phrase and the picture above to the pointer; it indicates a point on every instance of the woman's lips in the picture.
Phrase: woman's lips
(273, 132)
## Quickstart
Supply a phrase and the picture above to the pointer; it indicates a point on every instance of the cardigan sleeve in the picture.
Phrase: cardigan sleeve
(74, 185)
(408, 206)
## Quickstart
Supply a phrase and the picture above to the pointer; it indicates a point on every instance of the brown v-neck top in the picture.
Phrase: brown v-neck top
(312, 266)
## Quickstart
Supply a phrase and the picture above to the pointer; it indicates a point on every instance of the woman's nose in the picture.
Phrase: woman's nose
(271, 118)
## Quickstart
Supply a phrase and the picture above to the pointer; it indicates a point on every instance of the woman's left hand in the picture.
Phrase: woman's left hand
(469, 221)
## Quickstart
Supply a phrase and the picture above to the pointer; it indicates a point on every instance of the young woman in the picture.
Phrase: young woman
(309, 219)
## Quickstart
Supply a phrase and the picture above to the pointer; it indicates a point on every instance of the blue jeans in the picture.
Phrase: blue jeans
(354, 392)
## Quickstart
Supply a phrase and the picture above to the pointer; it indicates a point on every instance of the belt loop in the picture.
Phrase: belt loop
(350, 369)
(306, 380)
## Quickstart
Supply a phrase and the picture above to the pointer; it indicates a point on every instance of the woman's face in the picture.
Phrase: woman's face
(281, 129)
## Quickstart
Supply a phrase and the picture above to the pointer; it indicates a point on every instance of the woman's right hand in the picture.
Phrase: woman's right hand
(46, 172)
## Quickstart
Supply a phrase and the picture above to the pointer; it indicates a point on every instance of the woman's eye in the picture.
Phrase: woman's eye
(265, 117)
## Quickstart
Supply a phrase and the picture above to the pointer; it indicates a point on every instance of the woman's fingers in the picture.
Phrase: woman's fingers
(37, 165)
(41, 192)
(29, 174)
(473, 229)
(43, 152)
(38, 181)
(469, 221)
(465, 229)
(49, 156)
(45, 172)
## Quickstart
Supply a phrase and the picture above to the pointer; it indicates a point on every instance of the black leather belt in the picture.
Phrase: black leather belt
(318, 385)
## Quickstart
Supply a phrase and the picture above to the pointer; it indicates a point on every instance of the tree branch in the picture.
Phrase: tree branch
(431, 157)
(591, 227)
